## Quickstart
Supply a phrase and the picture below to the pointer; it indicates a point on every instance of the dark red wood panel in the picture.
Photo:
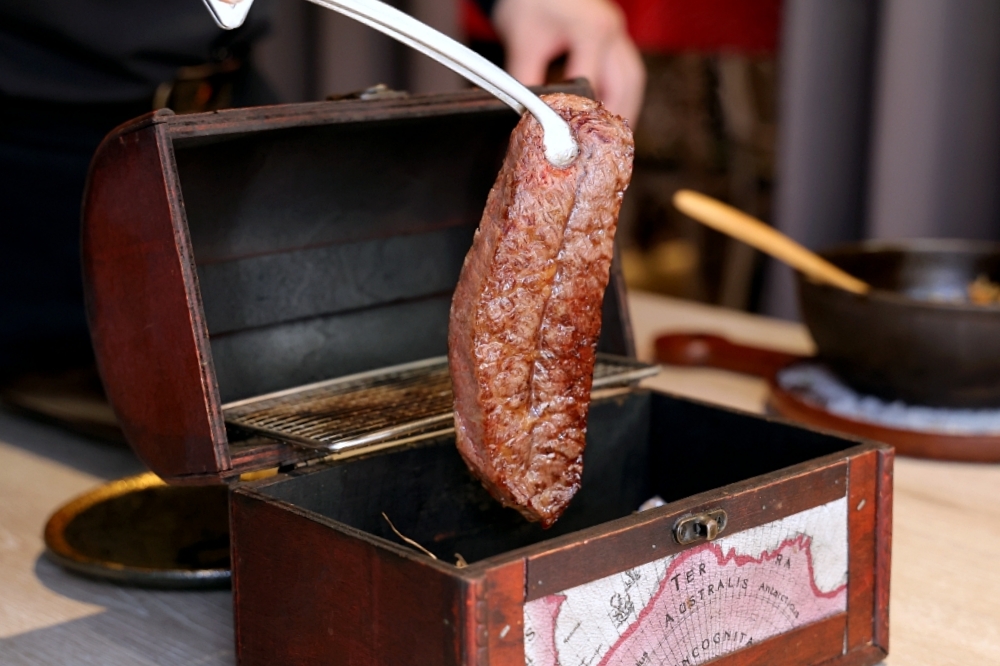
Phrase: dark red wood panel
(883, 545)
(862, 505)
(261, 453)
(143, 305)
(505, 614)
(261, 118)
(475, 629)
(307, 593)
(714, 351)
(812, 644)
(865, 656)
(591, 554)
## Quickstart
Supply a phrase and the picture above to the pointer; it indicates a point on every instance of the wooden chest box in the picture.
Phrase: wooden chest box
(253, 259)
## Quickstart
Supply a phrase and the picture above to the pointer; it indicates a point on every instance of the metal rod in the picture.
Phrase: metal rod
(560, 146)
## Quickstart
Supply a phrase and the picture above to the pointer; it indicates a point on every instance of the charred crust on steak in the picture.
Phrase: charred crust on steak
(526, 313)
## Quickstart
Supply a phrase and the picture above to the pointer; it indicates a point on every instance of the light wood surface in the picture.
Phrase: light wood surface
(946, 550)
(48, 616)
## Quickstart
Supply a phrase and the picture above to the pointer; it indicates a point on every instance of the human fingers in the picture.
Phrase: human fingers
(591, 29)
(592, 32)
(602, 51)
(528, 57)
(622, 80)
(586, 57)
(530, 40)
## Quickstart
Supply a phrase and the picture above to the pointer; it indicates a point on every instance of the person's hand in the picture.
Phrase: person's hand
(593, 34)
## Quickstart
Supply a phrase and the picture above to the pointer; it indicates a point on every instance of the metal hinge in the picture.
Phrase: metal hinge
(700, 527)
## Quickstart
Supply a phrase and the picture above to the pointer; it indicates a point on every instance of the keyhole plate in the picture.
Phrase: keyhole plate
(700, 527)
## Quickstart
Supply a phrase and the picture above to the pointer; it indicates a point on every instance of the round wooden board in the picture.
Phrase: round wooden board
(963, 448)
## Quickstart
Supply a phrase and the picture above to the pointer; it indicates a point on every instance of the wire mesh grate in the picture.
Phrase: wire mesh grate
(393, 403)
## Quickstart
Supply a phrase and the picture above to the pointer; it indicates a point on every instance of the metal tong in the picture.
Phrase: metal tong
(560, 146)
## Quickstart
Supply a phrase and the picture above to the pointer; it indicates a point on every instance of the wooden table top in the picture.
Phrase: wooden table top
(945, 603)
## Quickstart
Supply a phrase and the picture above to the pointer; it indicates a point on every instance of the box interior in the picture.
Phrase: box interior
(638, 445)
(334, 248)
(313, 244)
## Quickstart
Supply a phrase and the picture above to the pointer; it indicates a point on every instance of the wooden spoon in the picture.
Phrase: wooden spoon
(737, 224)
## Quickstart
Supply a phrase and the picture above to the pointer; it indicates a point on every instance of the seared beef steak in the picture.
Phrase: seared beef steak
(526, 314)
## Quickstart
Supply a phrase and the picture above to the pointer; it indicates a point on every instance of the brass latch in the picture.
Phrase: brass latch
(377, 91)
(700, 527)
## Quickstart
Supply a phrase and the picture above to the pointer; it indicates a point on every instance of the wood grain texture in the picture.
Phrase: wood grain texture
(491, 607)
(475, 624)
(143, 305)
(505, 614)
(565, 562)
(883, 545)
(259, 453)
(144, 289)
(862, 505)
(945, 580)
(49, 616)
(937, 618)
(820, 642)
(654, 315)
(305, 593)
(762, 236)
(261, 118)
(714, 351)
(861, 657)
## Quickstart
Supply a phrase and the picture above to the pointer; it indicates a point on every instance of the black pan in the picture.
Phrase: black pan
(913, 337)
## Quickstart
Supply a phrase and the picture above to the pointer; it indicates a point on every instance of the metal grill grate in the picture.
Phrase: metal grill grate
(406, 401)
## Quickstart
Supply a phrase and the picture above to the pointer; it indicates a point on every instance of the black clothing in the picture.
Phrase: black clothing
(44, 154)
(487, 6)
(101, 51)
(70, 71)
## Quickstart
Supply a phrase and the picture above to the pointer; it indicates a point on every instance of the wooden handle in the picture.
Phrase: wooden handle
(765, 238)
(713, 351)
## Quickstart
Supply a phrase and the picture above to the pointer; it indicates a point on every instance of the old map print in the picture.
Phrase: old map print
(702, 603)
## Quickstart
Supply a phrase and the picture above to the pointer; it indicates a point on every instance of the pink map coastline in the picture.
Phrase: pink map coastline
(708, 604)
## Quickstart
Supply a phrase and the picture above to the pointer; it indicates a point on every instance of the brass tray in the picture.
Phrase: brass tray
(140, 531)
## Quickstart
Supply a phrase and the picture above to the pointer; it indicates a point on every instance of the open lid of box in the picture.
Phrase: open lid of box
(244, 252)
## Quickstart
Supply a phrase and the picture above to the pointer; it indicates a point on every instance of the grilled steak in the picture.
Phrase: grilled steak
(526, 314)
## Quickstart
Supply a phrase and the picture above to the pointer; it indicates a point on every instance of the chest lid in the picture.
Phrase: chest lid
(236, 254)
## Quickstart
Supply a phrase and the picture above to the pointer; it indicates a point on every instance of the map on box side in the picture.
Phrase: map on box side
(702, 603)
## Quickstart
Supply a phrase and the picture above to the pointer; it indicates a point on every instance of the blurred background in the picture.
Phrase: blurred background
(835, 120)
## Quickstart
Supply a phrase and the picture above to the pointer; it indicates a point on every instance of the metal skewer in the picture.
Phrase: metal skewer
(560, 147)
